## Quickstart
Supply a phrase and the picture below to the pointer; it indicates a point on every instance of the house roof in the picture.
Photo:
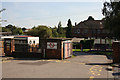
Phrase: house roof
(96, 24)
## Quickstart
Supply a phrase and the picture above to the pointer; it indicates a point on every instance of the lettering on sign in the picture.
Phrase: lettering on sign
(51, 45)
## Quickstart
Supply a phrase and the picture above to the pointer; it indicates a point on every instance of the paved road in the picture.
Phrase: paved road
(82, 66)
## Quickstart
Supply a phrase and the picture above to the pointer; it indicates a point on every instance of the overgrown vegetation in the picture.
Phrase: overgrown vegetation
(111, 11)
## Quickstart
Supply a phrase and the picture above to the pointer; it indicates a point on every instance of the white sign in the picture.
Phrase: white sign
(51, 45)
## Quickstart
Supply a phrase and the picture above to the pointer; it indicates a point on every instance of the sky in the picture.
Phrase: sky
(30, 14)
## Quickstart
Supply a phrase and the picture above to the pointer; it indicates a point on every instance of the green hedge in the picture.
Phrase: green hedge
(87, 44)
(76, 45)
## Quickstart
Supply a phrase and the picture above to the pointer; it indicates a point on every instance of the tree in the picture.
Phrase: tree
(111, 11)
(15, 30)
(41, 31)
(59, 30)
(69, 29)
(54, 32)
(23, 29)
(5, 29)
(20, 31)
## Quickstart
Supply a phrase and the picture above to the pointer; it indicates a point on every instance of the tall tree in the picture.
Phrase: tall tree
(111, 11)
(59, 30)
(54, 32)
(23, 29)
(69, 29)
(41, 31)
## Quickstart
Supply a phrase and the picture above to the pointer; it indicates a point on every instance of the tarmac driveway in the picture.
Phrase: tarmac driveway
(84, 65)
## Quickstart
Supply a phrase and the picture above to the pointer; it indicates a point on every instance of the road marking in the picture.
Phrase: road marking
(100, 70)
(98, 74)
(95, 71)
(91, 77)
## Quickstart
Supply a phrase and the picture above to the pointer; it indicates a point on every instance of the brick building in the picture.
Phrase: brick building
(90, 28)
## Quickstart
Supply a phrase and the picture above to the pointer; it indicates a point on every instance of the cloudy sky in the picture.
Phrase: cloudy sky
(29, 14)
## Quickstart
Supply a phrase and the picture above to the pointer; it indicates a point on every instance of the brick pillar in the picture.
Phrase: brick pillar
(116, 52)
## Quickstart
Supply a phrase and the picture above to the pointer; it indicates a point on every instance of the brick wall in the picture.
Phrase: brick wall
(2, 48)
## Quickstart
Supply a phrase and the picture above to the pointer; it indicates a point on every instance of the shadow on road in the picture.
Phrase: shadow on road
(98, 63)
(33, 59)
(27, 59)
(83, 53)
(89, 53)
(116, 74)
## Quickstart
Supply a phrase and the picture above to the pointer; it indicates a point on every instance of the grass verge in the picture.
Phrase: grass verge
(84, 50)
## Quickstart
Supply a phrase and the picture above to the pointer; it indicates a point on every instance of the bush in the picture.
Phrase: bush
(87, 44)
(76, 45)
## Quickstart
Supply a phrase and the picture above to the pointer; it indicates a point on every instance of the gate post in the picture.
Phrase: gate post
(116, 52)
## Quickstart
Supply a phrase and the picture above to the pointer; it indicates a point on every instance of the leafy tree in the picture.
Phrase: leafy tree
(13, 29)
(20, 32)
(54, 32)
(41, 31)
(5, 29)
(111, 11)
(59, 30)
(23, 29)
(69, 29)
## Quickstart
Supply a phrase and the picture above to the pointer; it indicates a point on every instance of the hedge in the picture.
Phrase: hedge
(86, 44)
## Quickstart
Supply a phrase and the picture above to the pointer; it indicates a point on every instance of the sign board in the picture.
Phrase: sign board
(51, 45)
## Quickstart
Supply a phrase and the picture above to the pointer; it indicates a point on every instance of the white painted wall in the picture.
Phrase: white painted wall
(36, 39)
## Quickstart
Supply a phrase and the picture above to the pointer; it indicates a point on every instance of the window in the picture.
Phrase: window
(85, 31)
(78, 31)
(93, 31)
(33, 42)
(98, 31)
(30, 42)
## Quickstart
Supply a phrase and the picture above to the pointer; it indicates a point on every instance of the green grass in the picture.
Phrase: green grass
(101, 52)
(84, 50)
(97, 52)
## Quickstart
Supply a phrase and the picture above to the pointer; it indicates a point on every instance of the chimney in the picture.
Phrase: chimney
(75, 23)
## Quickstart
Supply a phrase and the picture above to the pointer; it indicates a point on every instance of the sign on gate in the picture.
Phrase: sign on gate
(51, 45)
